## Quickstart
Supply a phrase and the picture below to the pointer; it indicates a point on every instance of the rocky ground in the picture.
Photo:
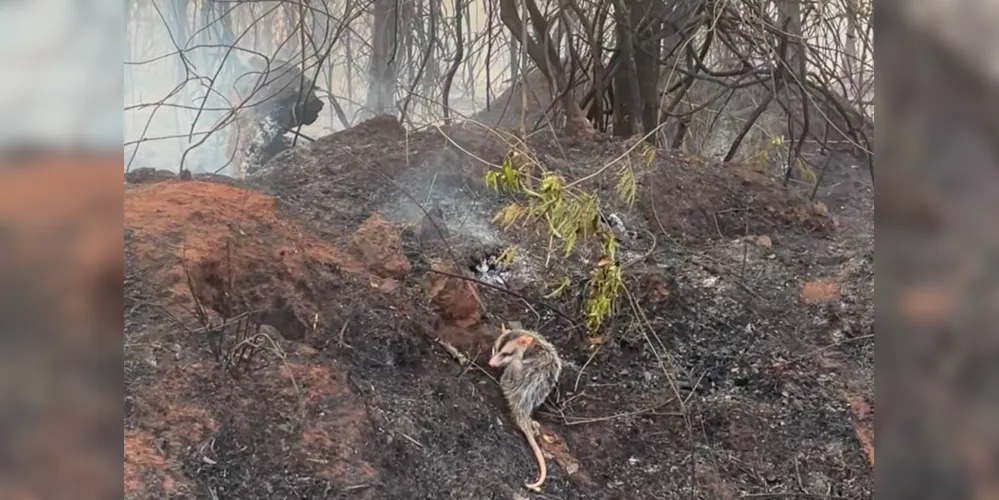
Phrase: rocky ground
(739, 365)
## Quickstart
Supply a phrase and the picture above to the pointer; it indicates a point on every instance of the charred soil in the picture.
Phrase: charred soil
(739, 363)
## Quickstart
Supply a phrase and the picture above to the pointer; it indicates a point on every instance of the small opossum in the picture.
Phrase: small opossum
(531, 370)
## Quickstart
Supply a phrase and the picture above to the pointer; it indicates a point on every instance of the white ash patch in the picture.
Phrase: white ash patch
(616, 224)
(635, 245)
(267, 131)
(489, 269)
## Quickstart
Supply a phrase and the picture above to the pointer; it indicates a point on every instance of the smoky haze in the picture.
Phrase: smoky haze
(414, 60)
(183, 59)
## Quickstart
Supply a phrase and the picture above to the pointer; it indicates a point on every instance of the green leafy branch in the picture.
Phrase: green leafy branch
(570, 215)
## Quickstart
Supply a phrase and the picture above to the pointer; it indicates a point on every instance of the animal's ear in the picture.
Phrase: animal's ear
(525, 341)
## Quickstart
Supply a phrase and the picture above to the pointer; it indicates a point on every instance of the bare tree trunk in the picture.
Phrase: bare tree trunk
(514, 58)
(256, 32)
(595, 32)
(459, 53)
(790, 19)
(227, 37)
(408, 40)
(489, 53)
(566, 46)
(524, 72)
(432, 78)
(851, 66)
(627, 109)
(676, 21)
(420, 78)
(349, 68)
(291, 22)
(469, 91)
(329, 87)
(793, 80)
(647, 63)
(576, 122)
(384, 59)
(560, 31)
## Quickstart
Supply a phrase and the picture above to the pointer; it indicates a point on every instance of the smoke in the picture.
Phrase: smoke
(466, 212)
(175, 100)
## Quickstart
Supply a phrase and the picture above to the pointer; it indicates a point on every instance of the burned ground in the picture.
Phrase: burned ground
(741, 365)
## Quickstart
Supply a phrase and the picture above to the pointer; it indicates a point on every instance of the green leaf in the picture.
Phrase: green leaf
(561, 287)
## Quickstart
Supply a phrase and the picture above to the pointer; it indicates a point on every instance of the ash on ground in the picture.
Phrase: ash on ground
(489, 268)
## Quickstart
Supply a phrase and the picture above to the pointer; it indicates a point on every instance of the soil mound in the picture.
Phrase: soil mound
(237, 252)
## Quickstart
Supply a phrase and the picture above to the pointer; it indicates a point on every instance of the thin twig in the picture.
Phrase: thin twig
(163, 309)
(575, 388)
(594, 420)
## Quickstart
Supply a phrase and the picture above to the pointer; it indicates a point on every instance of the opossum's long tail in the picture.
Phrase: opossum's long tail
(527, 426)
